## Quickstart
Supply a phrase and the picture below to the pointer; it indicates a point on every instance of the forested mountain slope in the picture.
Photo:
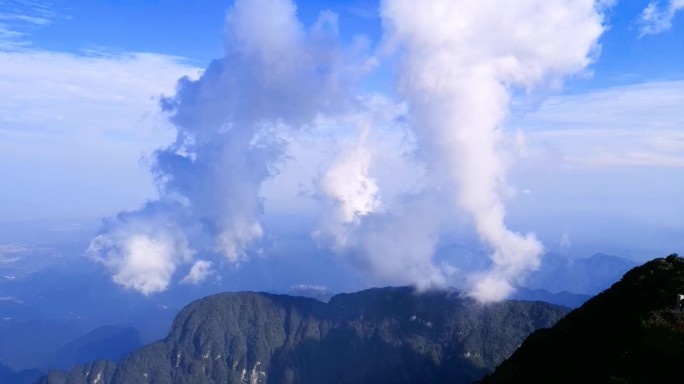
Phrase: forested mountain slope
(386, 335)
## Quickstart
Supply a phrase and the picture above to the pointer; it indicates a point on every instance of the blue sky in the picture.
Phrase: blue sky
(594, 165)
(629, 57)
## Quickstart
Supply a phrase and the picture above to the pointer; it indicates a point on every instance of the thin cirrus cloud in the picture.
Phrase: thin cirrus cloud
(79, 123)
(51, 91)
(19, 17)
(626, 126)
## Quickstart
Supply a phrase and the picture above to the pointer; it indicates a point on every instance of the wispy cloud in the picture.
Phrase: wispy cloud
(18, 18)
(55, 92)
(40, 21)
(605, 148)
(657, 17)
(92, 115)
(9, 249)
(627, 126)
(364, 11)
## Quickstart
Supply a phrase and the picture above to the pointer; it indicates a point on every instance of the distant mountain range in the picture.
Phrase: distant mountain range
(566, 299)
(106, 342)
(383, 335)
(560, 280)
(23, 377)
(587, 276)
(630, 333)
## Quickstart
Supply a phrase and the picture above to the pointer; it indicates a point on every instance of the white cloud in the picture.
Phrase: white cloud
(461, 58)
(348, 184)
(199, 272)
(141, 253)
(397, 247)
(657, 18)
(233, 131)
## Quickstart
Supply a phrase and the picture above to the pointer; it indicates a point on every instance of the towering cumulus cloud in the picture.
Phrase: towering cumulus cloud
(461, 61)
(275, 75)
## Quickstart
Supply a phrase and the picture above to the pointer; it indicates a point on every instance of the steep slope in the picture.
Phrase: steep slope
(630, 333)
(388, 335)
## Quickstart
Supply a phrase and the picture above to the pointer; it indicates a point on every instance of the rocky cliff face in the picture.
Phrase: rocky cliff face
(388, 335)
(630, 333)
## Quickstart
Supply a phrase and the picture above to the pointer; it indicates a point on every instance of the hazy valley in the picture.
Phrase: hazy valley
(68, 312)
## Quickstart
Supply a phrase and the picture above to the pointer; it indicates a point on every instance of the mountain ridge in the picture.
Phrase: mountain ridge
(377, 335)
(629, 333)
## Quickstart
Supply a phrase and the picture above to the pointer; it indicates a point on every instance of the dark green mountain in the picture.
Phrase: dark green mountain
(384, 335)
(630, 333)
